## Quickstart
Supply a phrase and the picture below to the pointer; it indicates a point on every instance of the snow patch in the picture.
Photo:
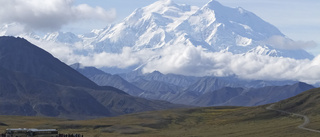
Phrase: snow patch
(243, 41)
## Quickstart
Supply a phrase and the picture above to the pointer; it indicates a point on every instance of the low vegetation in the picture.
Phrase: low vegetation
(211, 121)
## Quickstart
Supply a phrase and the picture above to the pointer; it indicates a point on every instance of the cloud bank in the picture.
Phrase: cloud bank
(50, 14)
(281, 42)
(194, 61)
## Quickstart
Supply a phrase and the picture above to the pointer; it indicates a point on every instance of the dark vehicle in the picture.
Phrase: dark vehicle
(24, 132)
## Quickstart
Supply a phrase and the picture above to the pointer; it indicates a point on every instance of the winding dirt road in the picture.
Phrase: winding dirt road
(302, 126)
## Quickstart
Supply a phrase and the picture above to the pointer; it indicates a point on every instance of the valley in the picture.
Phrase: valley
(221, 121)
(213, 121)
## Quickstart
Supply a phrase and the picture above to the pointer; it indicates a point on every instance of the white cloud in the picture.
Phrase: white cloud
(281, 42)
(49, 14)
(12, 29)
(61, 51)
(194, 61)
(120, 60)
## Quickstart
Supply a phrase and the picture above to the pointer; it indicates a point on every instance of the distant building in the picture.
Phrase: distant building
(25, 132)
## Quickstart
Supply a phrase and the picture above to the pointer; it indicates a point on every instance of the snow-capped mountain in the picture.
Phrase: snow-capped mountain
(63, 37)
(221, 28)
(270, 51)
(214, 27)
(147, 27)
(15, 29)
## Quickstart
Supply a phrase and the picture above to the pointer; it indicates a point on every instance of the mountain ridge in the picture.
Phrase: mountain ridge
(19, 55)
(104, 79)
(199, 91)
(35, 83)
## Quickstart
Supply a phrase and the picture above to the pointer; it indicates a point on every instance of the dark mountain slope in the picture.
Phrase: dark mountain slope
(304, 103)
(252, 96)
(266, 95)
(218, 96)
(104, 79)
(17, 54)
(207, 91)
(150, 89)
(157, 90)
(173, 79)
(24, 95)
(209, 84)
(199, 92)
(33, 82)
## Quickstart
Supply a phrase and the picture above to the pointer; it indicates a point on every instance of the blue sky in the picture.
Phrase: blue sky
(298, 19)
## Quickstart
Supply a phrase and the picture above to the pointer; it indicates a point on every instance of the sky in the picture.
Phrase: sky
(297, 19)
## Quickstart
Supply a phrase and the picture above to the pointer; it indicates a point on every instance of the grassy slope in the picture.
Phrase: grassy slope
(304, 103)
(227, 121)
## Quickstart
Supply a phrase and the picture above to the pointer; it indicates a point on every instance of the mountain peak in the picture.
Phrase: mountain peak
(225, 12)
(163, 3)
(166, 2)
(158, 8)
(63, 37)
(214, 5)
(303, 85)
(164, 7)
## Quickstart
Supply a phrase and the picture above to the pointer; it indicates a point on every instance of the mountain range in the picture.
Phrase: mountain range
(33, 82)
(197, 91)
(251, 97)
(164, 23)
